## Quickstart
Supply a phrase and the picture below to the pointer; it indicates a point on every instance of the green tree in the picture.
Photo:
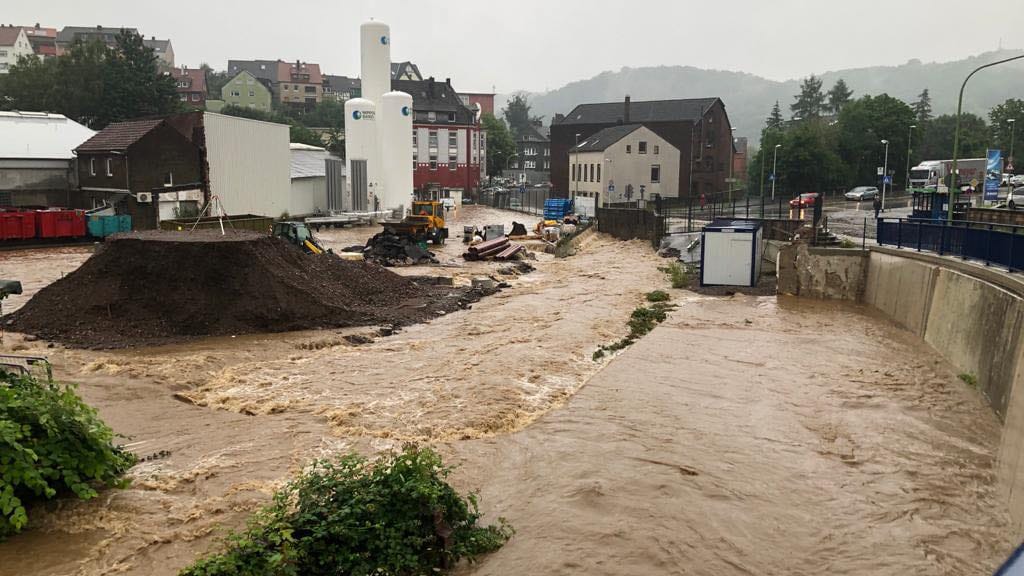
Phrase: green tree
(811, 101)
(775, 119)
(500, 146)
(937, 141)
(923, 107)
(998, 116)
(863, 124)
(517, 114)
(215, 81)
(838, 96)
(808, 161)
(93, 84)
(297, 132)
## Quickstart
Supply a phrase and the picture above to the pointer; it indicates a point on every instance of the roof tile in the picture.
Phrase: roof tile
(119, 135)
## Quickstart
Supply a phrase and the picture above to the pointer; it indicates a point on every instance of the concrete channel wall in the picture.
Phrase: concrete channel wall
(970, 314)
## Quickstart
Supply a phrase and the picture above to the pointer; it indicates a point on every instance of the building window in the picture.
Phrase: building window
(547, 151)
(547, 165)
(183, 97)
(530, 164)
(451, 117)
(433, 161)
(431, 116)
(598, 172)
(629, 148)
(236, 93)
(195, 97)
(656, 150)
(433, 139)
(310, 89)
(110, 167)
(453, 139)
(3, 53)
(655, 173)
(452, 165)
(573, 173)
(92, 166)
(641, 148)
(169, 179)
(252, 93)
(592, 173)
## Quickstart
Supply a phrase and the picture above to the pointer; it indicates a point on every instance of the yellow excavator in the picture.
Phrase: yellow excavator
(299, 234)
(425, 222)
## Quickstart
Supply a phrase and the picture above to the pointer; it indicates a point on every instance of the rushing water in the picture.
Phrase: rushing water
(743, 436)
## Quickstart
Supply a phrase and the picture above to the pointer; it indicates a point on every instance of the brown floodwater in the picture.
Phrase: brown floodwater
(745, 435)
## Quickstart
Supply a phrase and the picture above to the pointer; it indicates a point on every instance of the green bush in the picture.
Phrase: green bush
(641, 321)
(969, 379)
(51, 444)
(394, 516)
(678, 274)
(658, 296)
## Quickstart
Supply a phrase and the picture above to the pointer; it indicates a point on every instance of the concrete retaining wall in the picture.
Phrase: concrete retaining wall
(830, 273)
(970, 314)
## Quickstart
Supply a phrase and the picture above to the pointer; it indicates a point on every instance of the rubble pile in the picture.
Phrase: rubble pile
(389, 249)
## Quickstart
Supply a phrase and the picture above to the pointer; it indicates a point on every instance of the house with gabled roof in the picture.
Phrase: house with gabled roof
(624, 163)
(13, 45)
(698, 128)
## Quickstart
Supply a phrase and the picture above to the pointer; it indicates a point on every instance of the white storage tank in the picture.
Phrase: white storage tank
(361, 154)
(731, 252)
(375, 59)
(395, 142)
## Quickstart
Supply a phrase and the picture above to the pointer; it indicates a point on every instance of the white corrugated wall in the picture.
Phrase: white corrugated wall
(250, 164)
(308, 194)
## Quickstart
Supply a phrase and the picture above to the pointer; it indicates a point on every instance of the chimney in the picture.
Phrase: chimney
(625, 114)
(448, 81)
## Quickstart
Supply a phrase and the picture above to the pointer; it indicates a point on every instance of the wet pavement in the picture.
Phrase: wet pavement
(744, 435)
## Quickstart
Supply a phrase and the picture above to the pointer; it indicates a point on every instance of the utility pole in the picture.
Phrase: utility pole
(1013, 124)
(885, 171)
(956, 135)
(775, 165)
(910, 137)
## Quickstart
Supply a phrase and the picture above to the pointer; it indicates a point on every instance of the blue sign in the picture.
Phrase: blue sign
(771, 177)
(887, 180)
(993, 175)
(384, 40)
(522, 189)
(356, 114)
(611, 187)
(405, 110)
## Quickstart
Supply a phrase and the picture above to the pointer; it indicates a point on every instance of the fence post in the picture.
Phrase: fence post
(1013, 238)
(899, 233)
(864, 236)
(918, 236)
(942, 239)
(988, 246)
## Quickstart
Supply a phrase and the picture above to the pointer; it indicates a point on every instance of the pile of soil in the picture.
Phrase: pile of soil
(161, 287)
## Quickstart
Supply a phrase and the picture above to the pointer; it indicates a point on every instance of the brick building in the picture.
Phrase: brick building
(698, 128)
(191, 85)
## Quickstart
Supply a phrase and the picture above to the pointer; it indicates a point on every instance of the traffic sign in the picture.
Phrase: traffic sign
(887, 180)
(522, 189)
(881, 170)
(771, 177)
(611, 187)
(974, 183)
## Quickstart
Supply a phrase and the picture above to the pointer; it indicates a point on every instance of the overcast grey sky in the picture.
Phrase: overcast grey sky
(544, 44)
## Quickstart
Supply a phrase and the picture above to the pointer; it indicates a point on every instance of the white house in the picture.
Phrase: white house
(13, 44)
(624, 164)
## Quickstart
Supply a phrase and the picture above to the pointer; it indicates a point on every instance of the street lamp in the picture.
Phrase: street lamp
(885, 171)
(910, 137)
(956, 134)
(732, 160)
(775, 164)
(576, 160)
(1013, 124)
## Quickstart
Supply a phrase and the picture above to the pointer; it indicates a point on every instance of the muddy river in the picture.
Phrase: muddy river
(745, 435)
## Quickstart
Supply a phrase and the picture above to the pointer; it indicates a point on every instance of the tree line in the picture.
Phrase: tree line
(834, 141)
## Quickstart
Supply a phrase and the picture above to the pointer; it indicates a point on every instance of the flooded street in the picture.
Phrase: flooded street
(744, 435)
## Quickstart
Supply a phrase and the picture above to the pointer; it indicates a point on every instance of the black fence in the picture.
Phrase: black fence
(529, 201)
(692, 214)
(990, 243)
(631, 223)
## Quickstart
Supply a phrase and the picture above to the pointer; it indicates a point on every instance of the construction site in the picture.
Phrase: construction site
(738, 402)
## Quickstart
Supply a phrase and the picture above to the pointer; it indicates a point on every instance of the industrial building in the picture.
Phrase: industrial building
(309, 180)
(698, 128)
(37, 159)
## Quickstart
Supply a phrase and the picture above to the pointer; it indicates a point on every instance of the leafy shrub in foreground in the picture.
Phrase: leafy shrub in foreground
(394, 516)
(51, 444)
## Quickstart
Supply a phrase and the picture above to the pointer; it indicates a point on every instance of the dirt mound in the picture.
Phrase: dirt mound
(152, 288)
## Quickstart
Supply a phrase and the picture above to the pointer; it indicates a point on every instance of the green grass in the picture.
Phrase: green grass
(969, 379)
(641, 322)
(678, 274)
(658, 296)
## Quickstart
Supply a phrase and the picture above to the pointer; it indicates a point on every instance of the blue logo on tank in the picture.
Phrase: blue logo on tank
(384, 40)
(405, 110)
(356, 114)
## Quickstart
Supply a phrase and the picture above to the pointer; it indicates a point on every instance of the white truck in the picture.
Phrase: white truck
(932, 175)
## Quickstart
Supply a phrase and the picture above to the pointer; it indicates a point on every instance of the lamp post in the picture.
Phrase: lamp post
(576, 160)
(775, 165)
(910, 137)
(1013, 124)
(885, 171)
(732, 160)
(956, 134)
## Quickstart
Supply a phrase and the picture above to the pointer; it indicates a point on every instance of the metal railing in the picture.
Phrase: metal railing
(998, 244)
(529, 201)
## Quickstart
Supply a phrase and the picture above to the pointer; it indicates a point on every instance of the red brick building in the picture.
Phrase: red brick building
(191, 83)
(486, 101)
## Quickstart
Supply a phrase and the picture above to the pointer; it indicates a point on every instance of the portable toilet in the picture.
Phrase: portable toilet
(731, 253)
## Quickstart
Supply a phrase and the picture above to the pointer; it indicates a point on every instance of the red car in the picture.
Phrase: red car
(804, 200)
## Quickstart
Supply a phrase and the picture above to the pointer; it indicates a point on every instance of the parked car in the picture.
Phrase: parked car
(1017, 180)
(862, 193)
(1015, 199)
(804, 200)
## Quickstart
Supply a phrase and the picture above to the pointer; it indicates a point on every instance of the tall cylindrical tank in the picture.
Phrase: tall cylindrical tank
(362, 160)
(375, 54)
(395, 143)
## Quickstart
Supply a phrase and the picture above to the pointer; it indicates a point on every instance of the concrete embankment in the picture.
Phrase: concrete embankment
(971, 315)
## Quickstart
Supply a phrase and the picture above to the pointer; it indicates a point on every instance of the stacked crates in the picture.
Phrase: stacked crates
(557, 208)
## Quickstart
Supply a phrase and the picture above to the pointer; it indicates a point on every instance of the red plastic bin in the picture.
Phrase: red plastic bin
(60, 223)
(16, 225)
